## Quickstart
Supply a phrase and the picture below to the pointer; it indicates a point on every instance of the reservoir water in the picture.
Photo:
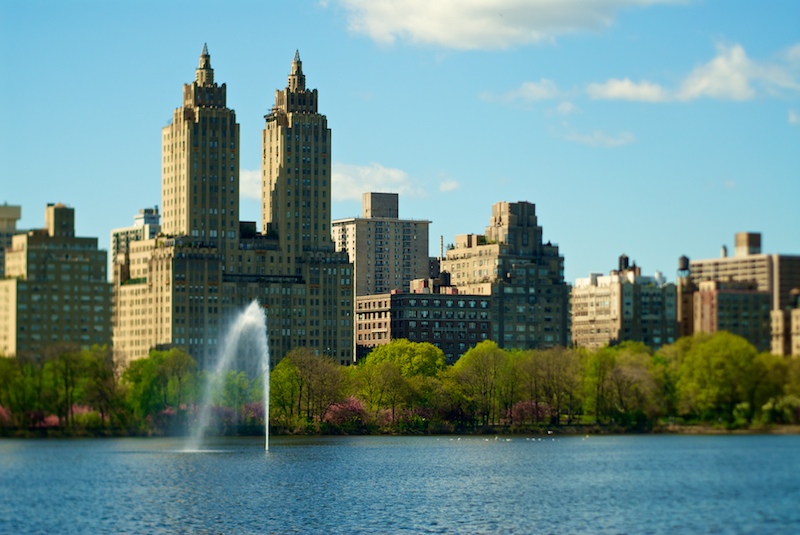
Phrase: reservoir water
(598, 484)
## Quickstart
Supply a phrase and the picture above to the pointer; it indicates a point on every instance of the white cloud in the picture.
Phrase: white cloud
(794, 117)
(567, 108)
(727, 76)
(598, 138)
(627, 90)
(448, 185)
(481, 24)
(730, 75)
(792, 54)
(349, 181)
(528, 92)
(250, 183)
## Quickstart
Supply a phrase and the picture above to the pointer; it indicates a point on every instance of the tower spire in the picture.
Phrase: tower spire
(205, 74)
(297, 80)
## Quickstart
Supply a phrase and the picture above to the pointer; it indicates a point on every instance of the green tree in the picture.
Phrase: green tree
(599, 365)
(66, 366)
(766, 383)
(509, 385)
(561, 381)
(146, 384)
(791, 383)
(632, 385)
(669, 360)
(180, 370)
(477, 374)
(101, 388)
(285, 387)
(318, 383)
(717, 375)
(381, 385)
(396, 390)
(531, 366)
(412, 358)
(236, 390)
(17, 392)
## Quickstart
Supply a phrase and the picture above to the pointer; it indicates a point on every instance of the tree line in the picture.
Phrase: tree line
(406, 387)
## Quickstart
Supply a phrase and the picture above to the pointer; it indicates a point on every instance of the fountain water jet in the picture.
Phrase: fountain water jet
(245, 344)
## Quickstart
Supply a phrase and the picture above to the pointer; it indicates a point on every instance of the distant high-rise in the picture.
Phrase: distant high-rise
(296, 165)
(57, 289)
(387, 252)
(200, 164)
(777, 275)
(622, 306)
(9, 215)
(182, 288)
(146, 226)
(524, 276)
(296, 203)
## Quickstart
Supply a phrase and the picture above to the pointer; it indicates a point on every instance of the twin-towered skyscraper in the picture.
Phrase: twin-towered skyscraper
(180, 288)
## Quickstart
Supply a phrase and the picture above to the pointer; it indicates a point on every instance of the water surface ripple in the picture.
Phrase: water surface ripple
(626, 484)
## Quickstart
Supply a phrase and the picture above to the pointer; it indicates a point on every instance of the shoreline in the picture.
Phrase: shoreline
(571, 430)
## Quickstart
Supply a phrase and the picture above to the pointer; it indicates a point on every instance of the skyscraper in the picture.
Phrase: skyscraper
(183, 288)
(200, 164)
(296, 165)
(295, 211)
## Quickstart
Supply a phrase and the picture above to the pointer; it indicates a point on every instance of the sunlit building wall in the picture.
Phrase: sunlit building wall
(56, 290)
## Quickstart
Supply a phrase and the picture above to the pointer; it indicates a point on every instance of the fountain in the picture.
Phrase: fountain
(244, 345)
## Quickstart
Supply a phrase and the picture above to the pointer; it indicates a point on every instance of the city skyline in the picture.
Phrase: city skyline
(626, 139)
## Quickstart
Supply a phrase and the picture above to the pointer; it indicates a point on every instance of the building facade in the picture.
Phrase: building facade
(146, 226)
(200, 164)
(387, 252)
(9, 215)
(777, 275)
(736, 307)
(56, 290)
(524, 276)
(785, 325)
(625, 305)
(431, 312)
(184, 287)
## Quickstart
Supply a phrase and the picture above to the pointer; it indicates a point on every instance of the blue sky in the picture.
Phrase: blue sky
(653, 128)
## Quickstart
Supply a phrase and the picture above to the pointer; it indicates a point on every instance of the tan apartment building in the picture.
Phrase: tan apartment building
(387, 252)
(786, 325)
(9, 215)
(523, 274)
(623, 306)
(56, 289)
(183, 288)
(775, 274)
(146, 226)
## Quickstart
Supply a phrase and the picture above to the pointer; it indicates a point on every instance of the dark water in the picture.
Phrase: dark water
(631, 484)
